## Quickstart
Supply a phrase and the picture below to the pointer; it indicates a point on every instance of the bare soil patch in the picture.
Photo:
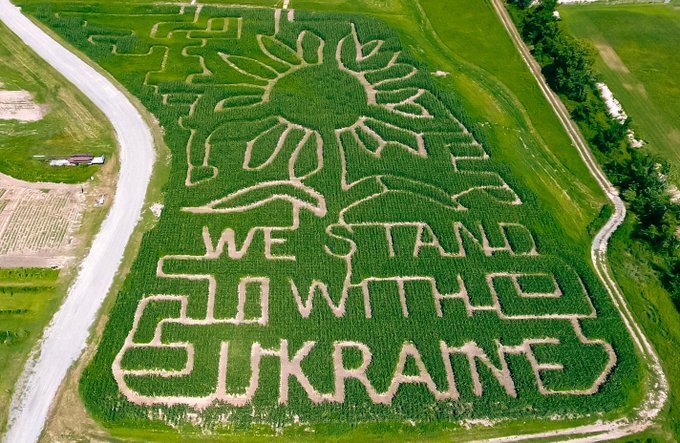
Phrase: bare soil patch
(38, 222)
(19, 105)
(611, 58)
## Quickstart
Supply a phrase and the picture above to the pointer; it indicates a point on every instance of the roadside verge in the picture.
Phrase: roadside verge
(66, 336)
(643, 416)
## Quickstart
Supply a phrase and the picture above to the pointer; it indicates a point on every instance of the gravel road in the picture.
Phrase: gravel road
(65, 338)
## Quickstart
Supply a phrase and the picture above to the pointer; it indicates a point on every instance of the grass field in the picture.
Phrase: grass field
(28, 299)
(71, 124)
(372, 218)
(636, 44)
(656, 313)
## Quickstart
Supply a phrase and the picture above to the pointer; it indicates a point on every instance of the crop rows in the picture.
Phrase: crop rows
(36, 221)
(349, 251)
(23, 293)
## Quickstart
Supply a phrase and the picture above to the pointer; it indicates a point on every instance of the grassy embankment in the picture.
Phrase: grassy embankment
(70, 126)
(531, 142)
(636, 45)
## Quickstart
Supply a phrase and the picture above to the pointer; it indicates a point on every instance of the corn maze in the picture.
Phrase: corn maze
(335, 246)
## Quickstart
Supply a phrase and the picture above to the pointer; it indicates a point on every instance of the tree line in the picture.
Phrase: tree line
(642, 177)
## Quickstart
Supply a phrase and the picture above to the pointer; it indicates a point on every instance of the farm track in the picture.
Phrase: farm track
(643, 415)
(66, 336)
(31, 419)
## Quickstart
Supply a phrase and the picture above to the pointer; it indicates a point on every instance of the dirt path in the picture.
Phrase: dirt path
(644, 415)
(66, 336)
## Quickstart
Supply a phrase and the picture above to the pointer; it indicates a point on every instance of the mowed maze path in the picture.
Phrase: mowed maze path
(65, 338)
(609, 229)
(195, 47)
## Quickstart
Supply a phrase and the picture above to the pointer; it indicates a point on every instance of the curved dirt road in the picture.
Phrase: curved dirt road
(644, 415)
(66, 336)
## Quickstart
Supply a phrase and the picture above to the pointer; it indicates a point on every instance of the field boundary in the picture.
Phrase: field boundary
(649, 409)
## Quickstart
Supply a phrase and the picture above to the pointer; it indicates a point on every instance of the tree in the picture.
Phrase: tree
(570, 72)
(540, 23)
(522, 4)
